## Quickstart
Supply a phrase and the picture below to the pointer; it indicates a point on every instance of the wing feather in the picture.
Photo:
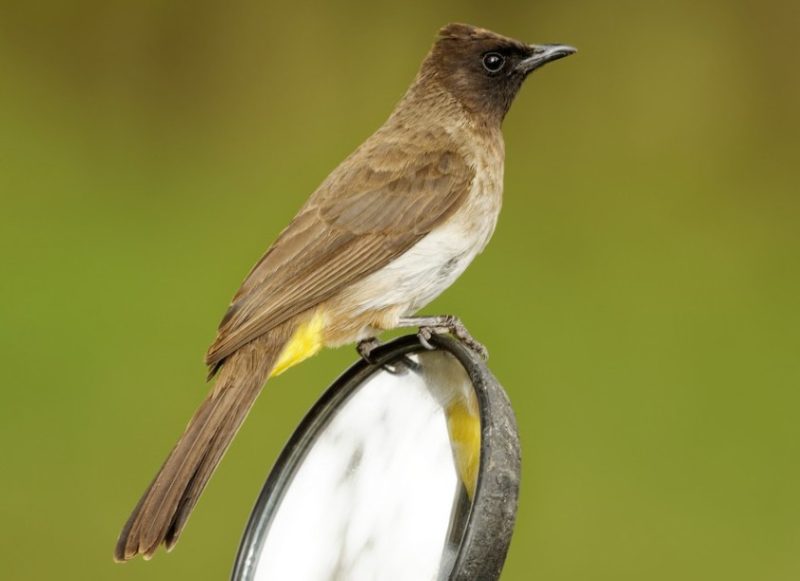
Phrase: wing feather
(371, 209)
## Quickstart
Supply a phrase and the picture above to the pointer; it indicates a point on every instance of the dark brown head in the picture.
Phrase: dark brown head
(484, 70)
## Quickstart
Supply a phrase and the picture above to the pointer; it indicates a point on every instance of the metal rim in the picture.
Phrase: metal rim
(490, 524)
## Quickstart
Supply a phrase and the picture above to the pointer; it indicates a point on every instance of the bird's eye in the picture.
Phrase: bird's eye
(493, 62)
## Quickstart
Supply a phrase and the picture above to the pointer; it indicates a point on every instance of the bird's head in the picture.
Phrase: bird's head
(484, 70)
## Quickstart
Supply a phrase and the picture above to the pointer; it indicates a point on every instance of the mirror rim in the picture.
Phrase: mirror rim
(490, 523)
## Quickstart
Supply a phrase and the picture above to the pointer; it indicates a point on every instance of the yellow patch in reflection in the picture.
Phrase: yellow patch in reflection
(464, 426)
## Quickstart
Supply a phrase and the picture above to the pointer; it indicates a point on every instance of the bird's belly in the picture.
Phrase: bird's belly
(422, 273)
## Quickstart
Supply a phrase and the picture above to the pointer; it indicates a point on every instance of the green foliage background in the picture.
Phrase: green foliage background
(640, 297)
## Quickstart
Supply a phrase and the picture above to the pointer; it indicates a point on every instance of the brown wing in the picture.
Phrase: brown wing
(372, 208)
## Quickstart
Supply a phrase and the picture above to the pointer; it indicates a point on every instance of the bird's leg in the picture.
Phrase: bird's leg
(443, 324)
(365, 348)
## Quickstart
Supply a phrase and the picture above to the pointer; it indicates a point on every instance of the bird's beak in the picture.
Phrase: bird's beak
(543, 54)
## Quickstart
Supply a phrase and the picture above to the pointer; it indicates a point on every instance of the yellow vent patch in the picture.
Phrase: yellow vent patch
(305, 342)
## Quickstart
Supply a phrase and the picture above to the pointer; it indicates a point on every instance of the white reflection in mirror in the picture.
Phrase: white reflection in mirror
(384, 491)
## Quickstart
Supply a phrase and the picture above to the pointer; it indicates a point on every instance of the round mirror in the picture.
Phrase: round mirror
(405, 469)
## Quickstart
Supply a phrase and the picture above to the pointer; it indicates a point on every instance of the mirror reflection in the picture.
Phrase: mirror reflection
(385, 484)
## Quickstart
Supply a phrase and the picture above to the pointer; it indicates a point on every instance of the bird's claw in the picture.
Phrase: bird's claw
(399, 367)
(424, 335)
(454, 326)
(365, 348)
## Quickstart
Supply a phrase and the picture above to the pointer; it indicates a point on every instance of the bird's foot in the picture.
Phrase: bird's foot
(365, 347)
(444, 324)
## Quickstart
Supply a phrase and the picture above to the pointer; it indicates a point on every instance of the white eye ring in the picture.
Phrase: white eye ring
(493, 61)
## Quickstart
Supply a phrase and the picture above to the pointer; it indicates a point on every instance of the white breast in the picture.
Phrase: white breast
(422, 273)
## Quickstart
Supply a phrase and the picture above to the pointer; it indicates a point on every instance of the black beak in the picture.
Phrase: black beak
(543, 54)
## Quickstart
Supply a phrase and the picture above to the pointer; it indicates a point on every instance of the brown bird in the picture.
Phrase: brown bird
(388, 230)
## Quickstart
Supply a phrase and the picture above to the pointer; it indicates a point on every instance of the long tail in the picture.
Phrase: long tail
(163, 509)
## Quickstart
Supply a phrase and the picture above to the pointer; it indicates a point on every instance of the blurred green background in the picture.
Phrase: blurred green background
(640, 297)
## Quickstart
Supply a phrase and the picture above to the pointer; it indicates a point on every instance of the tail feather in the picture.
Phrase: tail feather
(161, 513)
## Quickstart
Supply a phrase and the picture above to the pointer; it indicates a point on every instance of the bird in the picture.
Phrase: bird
(393, 226)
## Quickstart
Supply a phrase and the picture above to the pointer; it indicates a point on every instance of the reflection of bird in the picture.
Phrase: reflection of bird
(392, 227)
(464, 428)
(453, 390)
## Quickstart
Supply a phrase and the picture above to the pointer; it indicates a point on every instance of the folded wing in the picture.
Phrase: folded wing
(371, 209)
